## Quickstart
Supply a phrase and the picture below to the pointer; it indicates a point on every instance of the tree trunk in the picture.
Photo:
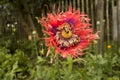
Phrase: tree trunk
(92, 12)
(30, 21)
(83, 10)
(118, 17)
(99, 23)
(25, 18)
(107, 22)
(112, 20)
(87, 7)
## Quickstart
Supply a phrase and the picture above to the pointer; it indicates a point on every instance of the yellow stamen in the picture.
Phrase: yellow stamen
(66, 33)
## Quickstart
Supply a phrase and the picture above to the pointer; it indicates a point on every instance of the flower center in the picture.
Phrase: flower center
(66, 33)
(65, 38)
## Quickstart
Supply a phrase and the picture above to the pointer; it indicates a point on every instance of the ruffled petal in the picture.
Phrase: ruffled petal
(80, 26)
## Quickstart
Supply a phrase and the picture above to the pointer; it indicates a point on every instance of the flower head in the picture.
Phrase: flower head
(69, 32)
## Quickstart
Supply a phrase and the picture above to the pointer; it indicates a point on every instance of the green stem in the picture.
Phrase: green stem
(58, 67)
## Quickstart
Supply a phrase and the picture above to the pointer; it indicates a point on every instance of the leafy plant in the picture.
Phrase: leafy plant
(27, 63)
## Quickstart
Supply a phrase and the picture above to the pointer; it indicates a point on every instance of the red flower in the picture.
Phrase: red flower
(69, 32)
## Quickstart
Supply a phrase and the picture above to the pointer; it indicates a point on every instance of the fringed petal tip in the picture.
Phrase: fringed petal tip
(97, 35)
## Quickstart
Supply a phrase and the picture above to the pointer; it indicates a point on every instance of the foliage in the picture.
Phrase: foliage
(27, 63)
